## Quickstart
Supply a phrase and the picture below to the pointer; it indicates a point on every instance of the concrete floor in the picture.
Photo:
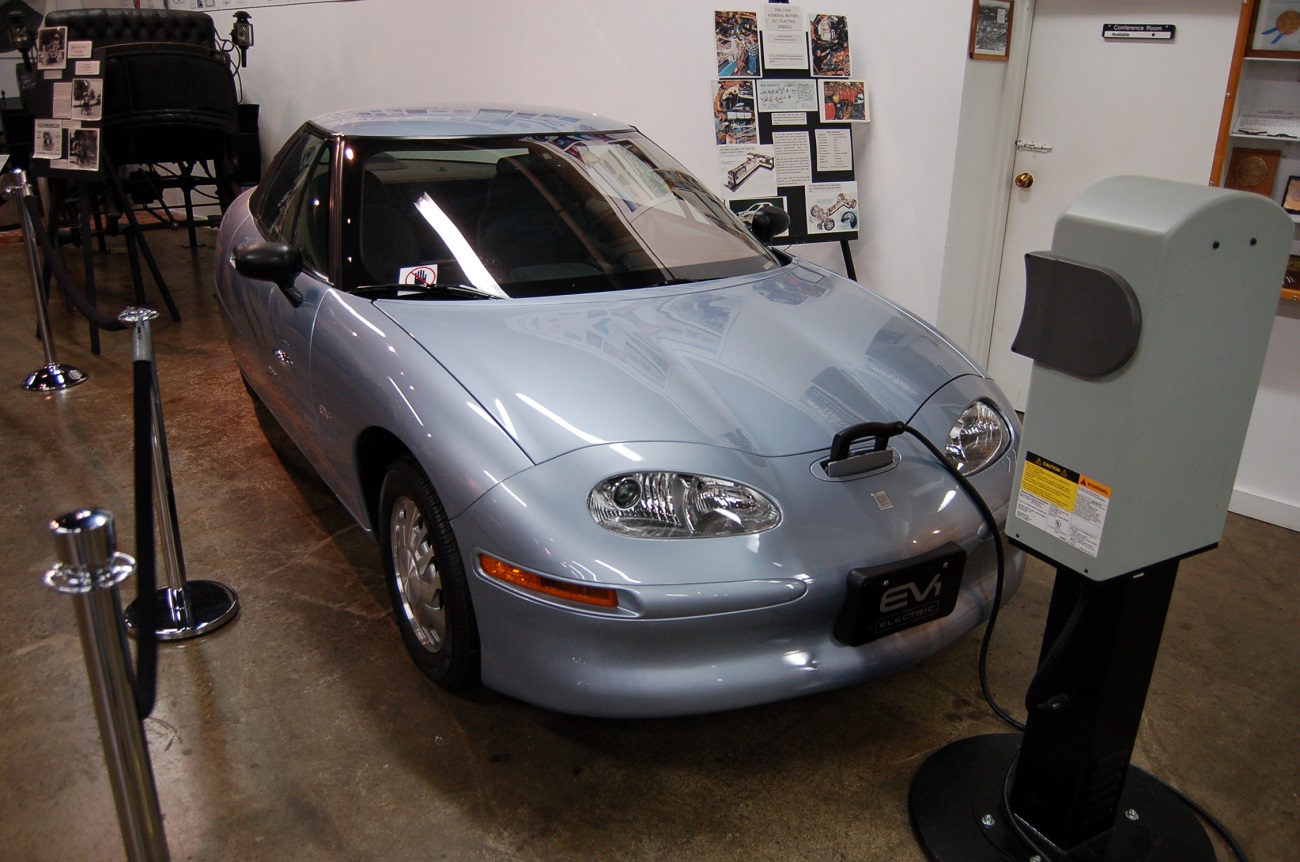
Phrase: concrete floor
(301, 730)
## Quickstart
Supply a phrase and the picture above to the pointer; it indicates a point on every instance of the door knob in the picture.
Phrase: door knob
(1024, 180)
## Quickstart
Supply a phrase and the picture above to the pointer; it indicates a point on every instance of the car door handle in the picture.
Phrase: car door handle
(282, 356)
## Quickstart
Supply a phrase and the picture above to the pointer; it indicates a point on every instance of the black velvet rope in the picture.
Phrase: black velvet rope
(146, 599)
(55, 262)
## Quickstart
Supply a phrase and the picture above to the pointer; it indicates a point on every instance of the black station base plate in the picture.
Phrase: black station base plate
(958, 816)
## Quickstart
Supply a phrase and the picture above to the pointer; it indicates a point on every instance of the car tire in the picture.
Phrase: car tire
(248, 387)
(426, 580)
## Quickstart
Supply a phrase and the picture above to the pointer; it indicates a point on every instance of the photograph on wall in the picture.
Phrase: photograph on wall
(1291, 198)
(47, 143)
(1277, 26)
(83, 149)
(844, 101)
(52, 48)
(88, 98)
(829, 37)
(784, 43)
(736, 36)
(832, 208)
(990, 30)
(735, 112)
(746, 207)
(748, 169)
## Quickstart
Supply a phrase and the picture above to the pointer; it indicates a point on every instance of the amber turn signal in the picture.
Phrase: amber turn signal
(501, 570)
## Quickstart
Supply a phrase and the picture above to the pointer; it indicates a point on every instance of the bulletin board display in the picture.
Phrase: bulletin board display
(69, 97)
(784, 106)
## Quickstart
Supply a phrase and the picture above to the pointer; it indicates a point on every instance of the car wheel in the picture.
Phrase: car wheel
(426, 580)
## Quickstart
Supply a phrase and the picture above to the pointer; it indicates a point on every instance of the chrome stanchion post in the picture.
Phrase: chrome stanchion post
(89, 570)
(53, 376)
(187, 608)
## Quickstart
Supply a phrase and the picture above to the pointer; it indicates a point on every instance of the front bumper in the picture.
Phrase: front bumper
(712, 624)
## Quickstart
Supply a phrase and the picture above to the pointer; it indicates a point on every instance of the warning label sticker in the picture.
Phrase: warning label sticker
(1062, 503)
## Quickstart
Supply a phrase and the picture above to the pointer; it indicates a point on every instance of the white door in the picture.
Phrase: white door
(1094, 109)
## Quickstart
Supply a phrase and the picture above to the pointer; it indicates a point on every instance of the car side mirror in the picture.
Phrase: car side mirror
(276, 262)
(767, 221)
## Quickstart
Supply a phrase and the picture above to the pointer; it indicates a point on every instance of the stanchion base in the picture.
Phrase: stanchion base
(54, 378)
(212, 605)
(957, 813)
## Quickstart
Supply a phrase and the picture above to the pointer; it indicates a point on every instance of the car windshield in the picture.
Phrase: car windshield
(534, 215)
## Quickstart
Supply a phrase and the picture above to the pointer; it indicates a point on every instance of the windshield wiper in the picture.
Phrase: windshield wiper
(437, 290)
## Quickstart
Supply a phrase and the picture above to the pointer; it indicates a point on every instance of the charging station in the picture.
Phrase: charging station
(1148, 324)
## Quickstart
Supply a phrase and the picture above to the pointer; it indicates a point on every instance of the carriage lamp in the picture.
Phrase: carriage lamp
(20, 36)
(242, 36)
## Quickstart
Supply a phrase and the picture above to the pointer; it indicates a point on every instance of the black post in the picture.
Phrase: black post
(1085, 704)
(1065, 789)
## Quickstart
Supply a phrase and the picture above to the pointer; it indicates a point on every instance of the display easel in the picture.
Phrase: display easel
(794, 198)
(85, 169)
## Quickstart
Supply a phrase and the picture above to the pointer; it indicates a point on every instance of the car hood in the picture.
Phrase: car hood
(770, 365)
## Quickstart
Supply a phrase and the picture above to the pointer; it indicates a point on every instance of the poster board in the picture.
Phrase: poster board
(784, 106)
(69, 106)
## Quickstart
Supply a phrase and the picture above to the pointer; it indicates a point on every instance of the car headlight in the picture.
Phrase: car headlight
(978, 438)
(679, 506)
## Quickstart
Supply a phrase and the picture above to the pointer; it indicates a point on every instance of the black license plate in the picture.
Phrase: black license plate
(882, 600)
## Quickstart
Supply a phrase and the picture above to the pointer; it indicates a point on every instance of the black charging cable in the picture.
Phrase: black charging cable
(882, 431)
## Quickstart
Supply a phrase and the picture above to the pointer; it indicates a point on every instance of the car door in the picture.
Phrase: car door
(297, 211)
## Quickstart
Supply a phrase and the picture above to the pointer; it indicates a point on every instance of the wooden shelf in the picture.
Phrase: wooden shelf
(1267, 81)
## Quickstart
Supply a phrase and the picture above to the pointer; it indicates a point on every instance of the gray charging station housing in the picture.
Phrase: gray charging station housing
(1135, 422)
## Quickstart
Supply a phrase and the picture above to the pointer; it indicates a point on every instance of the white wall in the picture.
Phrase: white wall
(1268, 479)
(648, 63)
(934, 149)
(992, 94)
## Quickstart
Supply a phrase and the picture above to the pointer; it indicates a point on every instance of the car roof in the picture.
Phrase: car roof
(458, 121)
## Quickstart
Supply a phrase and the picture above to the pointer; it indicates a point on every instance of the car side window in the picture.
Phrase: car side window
(295, 208)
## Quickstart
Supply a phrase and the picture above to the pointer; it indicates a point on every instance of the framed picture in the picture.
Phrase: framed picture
(1276, 29)
(1291, 200)
(990, 29)
(1252, 170)
(1291, 278)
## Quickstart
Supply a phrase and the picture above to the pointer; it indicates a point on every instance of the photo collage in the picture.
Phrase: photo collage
(784, 105)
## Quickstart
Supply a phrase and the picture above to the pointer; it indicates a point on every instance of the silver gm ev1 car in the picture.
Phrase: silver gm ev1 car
(621, 457)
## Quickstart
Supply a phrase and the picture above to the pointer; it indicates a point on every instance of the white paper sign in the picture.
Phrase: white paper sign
(784, 43)
(834, 149)
(793, 158)
(790, 118)
(62, 100)
(787, 95)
